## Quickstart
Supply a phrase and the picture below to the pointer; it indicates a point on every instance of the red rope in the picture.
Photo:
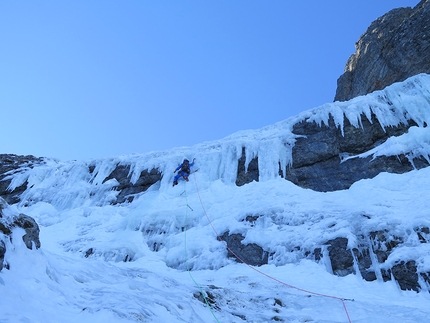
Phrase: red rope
(262, 273)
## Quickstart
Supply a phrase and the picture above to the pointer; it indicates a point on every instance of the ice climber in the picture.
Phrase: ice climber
(184, 171)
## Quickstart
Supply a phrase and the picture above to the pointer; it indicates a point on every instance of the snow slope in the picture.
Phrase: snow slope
(150, 260)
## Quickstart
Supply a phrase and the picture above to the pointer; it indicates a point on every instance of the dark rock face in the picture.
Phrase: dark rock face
(317, 155)
(341, 257)
(251, 254)
(127, 189)
(394, 47)
(10, 165)
(245, 176)
(406, 275)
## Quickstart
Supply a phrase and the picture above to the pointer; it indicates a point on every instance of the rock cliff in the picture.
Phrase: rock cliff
(394, 47)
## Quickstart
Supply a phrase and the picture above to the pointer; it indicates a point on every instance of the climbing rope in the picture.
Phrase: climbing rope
(186, 257)
(263, 273)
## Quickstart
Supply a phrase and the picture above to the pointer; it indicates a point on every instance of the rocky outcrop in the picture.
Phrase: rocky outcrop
(372, 255)
(249, 174)
(317, 153)
(251, 253)
(10, 165)
(31, 236)
(394, 47)
(370, 258)
(8, 224)
(127, 189)
(317, 163)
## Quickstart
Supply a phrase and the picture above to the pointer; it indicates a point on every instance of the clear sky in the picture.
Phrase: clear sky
(92, 79)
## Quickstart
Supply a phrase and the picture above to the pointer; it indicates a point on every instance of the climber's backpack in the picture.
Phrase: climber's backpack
(185, 166)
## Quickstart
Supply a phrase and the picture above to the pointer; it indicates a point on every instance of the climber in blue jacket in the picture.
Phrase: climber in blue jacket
(184, 171)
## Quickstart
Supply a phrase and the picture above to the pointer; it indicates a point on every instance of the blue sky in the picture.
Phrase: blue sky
(93, 79)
